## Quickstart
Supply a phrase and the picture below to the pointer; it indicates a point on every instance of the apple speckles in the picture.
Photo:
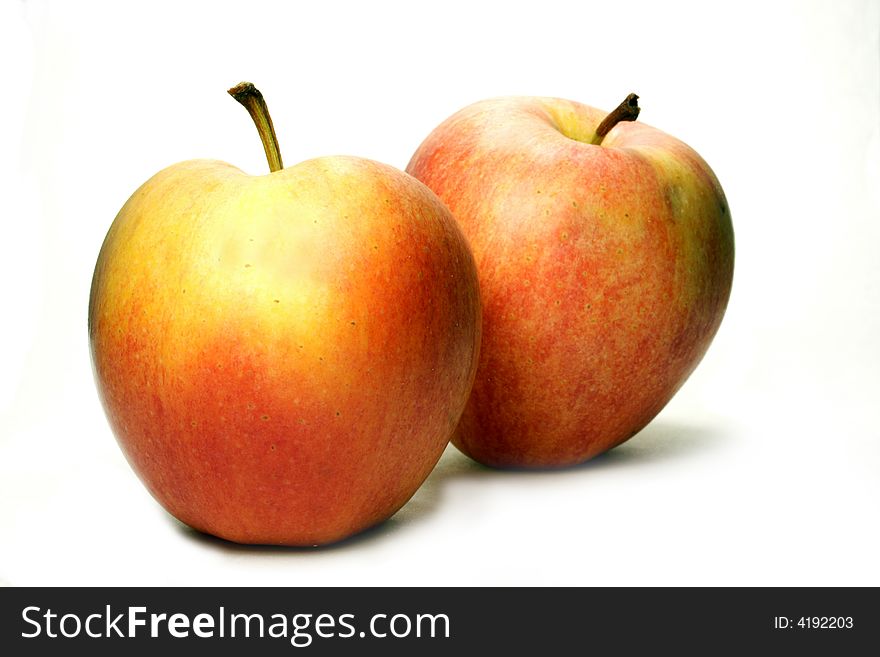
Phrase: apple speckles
(276, 300)
(574, 204)
(272, 447)
(353, 323)
(264, 417)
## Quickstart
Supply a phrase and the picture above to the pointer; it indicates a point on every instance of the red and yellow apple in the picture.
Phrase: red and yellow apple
(605, 253)
(283, 358)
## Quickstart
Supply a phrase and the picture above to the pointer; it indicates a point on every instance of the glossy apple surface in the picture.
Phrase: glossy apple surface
(283, 358)
(605, 271)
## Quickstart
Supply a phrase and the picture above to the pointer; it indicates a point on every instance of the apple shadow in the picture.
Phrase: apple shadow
(659, 442)
(423, 503)
(230, 547)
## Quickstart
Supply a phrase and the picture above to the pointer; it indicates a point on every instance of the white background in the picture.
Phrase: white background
(765, 469)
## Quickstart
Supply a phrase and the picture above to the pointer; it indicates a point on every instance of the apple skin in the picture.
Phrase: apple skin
(283, 358)
(604, 270)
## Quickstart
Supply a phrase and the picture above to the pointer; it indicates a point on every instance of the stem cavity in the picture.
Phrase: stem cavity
(249, 96)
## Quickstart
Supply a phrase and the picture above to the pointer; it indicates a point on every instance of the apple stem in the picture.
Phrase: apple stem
(249, 96)
(628, 110)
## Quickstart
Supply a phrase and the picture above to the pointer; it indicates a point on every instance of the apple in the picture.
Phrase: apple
(605, 254)
(284, 357)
